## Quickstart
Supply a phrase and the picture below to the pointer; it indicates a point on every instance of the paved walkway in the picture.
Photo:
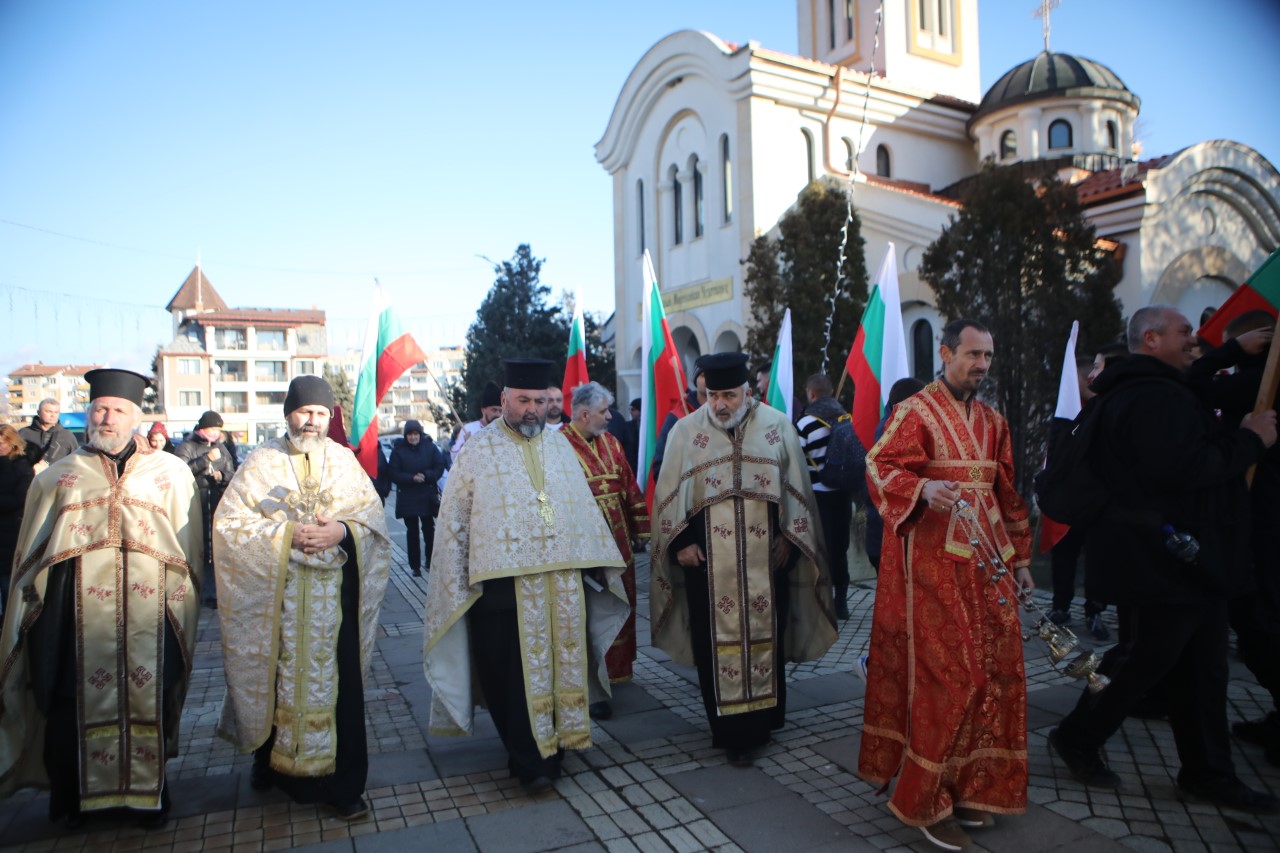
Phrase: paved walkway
(652, 782)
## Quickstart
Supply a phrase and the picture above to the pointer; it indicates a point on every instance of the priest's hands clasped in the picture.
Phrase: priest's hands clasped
(314, 538)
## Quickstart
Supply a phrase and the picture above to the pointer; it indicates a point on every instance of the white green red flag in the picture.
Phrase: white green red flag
(1068, 409)
(575, 363)
(878, 357)
(782, 375)
(388, 352)
(662, 377)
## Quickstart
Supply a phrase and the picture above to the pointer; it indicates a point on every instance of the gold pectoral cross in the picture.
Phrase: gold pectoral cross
(545, 510)
(308, 500)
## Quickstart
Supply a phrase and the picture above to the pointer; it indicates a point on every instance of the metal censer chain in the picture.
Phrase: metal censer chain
(1060, 640)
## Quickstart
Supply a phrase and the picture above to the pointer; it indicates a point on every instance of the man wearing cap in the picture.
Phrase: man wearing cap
(739, 582)
(619, 498)
(526, 588)
(300, 541)
(490, 410)
(946, 709)
(99, 638)
(212, 466)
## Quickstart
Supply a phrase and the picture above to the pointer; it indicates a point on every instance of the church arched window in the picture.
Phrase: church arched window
(809, 154)
(699, 223)
(640, 214)
(726, 178)
(1112, 142)
(677, 207)
(1008, 144)
(1060, 134)
(884, 165)
(922, 350)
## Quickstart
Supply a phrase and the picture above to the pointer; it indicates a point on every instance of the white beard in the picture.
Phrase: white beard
(307, 442)
(734, 419)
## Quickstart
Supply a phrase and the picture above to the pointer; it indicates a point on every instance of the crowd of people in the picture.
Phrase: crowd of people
(531, 586)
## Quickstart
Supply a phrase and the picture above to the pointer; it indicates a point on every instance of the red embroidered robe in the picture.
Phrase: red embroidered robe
(612, 482)
(946, 691)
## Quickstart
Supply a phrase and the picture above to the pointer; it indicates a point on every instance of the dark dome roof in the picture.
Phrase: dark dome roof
(1054, 75)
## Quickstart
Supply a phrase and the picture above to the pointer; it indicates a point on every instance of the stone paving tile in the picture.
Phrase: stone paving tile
(653, 782)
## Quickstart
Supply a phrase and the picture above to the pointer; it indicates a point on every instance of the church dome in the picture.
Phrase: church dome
(1054, 75)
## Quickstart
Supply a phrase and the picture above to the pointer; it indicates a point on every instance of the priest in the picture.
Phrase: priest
(101, 628)
(739, 582)
(302, 554)
(604, 461)
(526, 592)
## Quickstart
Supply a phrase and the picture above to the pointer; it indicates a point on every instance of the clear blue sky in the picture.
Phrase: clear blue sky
(302, 148)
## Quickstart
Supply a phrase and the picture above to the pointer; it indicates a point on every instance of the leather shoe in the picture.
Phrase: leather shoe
(1230, 793)
(537, 785)
(260, 778)
(740, 759)
(353, 810)
(1085, 766)
(600, 711)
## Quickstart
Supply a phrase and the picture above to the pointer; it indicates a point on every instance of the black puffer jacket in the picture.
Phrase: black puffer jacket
(414, 499)
(1166, 460)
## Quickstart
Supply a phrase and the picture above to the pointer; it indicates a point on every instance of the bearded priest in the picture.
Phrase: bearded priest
(302, 554)
(101, 629)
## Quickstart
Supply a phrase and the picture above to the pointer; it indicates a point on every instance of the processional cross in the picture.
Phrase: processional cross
(308, 499)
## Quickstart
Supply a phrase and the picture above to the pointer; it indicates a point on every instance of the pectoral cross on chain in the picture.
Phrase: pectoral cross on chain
(308, 500)
(545, 510)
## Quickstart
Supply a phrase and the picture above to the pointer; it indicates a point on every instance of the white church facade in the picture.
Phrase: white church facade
(710, 143)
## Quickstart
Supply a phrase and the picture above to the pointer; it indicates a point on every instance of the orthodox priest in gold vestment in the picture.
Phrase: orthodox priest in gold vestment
(739, 582)
(101, 627)
(526, 591)
(604, 461)
(302, 555)
(946, 704)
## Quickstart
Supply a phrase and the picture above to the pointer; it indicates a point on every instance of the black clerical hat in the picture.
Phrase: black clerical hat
(724, 370)
(308, 391)
(490, 395)
(527, 372)
(113, 382)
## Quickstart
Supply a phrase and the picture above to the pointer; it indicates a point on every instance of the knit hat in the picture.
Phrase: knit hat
(209, 419)
(308, 391)
(490, 395)
(157, 427)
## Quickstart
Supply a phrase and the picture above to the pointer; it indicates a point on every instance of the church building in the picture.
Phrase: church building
(710, 143)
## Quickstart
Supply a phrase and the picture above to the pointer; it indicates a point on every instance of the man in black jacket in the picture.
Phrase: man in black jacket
(1172, 469)
(213, 466)
(47, 440)
(416, 467)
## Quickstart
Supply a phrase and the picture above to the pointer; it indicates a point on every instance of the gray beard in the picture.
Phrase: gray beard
(530, 430)
(109, 444)
(306, 442)
(734, 419)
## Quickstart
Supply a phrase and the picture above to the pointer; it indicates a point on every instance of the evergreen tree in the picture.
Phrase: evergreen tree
(602, 365)
(343, 394)
(514, 321)
(797, 270)
(1022, 259)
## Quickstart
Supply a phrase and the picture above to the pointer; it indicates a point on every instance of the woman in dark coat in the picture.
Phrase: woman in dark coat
(15, 479)
(416, 466)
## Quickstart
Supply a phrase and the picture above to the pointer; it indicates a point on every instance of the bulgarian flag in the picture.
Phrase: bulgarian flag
(575, 363)
(878, 357)
(662, 377)
(781, 394)
(1260, 291)
(388, 352)
(1068, 409)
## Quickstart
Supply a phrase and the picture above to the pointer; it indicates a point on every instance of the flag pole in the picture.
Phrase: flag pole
(1267, 389)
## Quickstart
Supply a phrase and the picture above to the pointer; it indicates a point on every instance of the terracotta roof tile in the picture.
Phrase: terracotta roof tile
(275, 317)
(196, 294)
(1117, 183)
(54, 369)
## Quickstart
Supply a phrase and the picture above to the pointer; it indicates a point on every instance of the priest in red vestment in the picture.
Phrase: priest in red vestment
(946, 690)
(612, 481)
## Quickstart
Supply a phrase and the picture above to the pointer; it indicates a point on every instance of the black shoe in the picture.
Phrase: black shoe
(1230, 793)
(537, 785)
(417, 573)
(600, 711)
(260, 777)
(353, 810)
(1263, 732)
(1085, 766)
(74, 820)
(741, 758)
(150, 821)
(1099, 631)
(1059, 617)
(842, 609)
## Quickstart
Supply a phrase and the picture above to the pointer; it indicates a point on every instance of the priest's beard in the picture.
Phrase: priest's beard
(530, 426)
(309, 438)
(734, 419)
(110, 440)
